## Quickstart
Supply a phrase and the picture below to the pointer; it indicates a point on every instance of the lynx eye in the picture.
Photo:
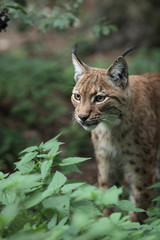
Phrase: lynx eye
(77, 96)
(100, 98)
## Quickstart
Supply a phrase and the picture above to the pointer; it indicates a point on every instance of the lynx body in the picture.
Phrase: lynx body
(123, 114)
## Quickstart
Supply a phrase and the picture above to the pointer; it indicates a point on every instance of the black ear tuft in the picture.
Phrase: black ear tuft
(74, 49)
(127, 51)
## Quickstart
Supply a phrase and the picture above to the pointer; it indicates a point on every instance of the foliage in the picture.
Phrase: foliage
(61, 16)
(37, 201)
(104, 27)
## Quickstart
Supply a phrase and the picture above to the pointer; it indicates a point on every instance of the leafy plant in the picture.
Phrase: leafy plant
(104, 27)
(37, 201)
(61, 16)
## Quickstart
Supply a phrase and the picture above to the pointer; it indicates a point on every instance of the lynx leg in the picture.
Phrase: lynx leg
(142, 177)
(109, 173)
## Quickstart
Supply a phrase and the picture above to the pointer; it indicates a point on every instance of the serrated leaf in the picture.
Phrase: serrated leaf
(7, 215)
(72, 160)
(54, 149)
(57, 182)
(70, 187)
(85, 205)
(26, 167)
(70, 169)
(29, 149)
(111, 196)
(45, 168)
(63, 221)
(27, 157)
(61, 204)
(130, 225)
(8, 196)
(126, 205)
(115, 217)
(53, 222)
(33, 200)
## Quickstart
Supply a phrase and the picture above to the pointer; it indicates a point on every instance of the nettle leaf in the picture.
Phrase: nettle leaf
(54, 150)
(33, 200)
(130, 225)
(115, 217)
(72, 160)
(29, 149)
(63, 221)
(26, 167)
(70, 168)
(45, 167)
(60, 204)
(56, 183)
(85, 205)
(53, 221)
(86, 192)
(8, 214)
(111, 196)
(156, 185)
(27, 157)
(49, 144)
(126, 205)
(8, 196)
(70, 187)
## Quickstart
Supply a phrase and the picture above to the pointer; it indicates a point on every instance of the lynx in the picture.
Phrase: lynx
(123, 114)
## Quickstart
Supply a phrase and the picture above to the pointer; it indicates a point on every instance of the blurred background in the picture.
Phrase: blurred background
(36, 72)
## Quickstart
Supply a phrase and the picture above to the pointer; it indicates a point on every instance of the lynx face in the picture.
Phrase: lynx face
(100, 95)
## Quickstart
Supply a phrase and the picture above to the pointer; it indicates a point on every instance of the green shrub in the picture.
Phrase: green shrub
(37, 201)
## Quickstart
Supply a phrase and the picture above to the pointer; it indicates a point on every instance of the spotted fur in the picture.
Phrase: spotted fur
(125, 127)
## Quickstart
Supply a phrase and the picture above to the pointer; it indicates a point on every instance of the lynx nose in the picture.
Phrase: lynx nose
(83, 117)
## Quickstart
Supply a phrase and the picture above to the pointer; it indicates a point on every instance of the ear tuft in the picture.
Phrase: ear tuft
(74, 49)
(79, 66)
(118, 72)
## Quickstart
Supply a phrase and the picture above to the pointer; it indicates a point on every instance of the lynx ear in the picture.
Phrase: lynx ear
(118, 72)
(79, 67)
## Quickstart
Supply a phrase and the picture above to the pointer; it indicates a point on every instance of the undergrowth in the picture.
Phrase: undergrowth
(38, 201)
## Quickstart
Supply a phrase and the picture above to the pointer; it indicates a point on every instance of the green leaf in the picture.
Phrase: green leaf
(156, 185)
(45, 167)
(60, 204)
(29, 149)
(85, 205)
(7, 215)
(54, 149)
(53, 222)
(111, 196)
(63, 221)
(72, 160)
(115, 217)
(105, 29)
(70, 187)
(126, 205)
(96, 30)
(28, 157)
(130, 225)
(56, 183)
(26, 167)
(33, 200)
(8, 196)
(50, 144)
